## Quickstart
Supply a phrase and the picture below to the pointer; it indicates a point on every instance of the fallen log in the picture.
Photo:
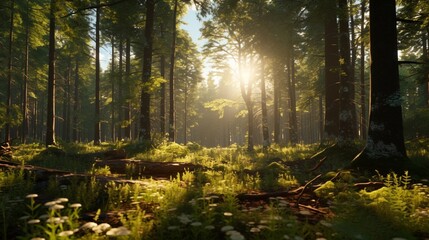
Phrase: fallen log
(138, 168)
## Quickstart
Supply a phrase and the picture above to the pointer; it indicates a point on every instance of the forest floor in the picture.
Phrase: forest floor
(172, 191)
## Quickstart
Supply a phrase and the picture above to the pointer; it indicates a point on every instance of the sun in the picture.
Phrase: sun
(243, 72)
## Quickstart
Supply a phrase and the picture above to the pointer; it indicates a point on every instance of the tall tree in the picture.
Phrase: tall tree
(50, 121)
(347, 121)
(97, 123)
(331, 71)
(9, 73)
(145, 131)
(385, 148)
(172, 112)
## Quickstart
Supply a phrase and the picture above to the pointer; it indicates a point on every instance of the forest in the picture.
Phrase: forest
(282, 119)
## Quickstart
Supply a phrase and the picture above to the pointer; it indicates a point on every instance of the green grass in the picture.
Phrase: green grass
(203, 204)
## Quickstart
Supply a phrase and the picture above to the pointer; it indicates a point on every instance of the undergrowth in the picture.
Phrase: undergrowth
(203, 204)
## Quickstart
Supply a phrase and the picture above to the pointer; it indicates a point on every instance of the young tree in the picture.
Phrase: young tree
(385, 148)
(97, 123)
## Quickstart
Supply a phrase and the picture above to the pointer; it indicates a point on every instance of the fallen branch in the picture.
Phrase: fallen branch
(306, 186)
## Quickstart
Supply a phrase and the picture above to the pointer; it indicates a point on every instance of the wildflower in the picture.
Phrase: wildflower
(235, 235)
(120, 231)
(33, 221)
(227, 214)
(183, 218)
(305, 212)
(227, 228)
(55, 220)
(31, 195)
(326, 223)
(76, 205)
(209, 227)
(56, 207)
(89, 225)
(255, 230)
(65, 218)
(65, 233)
(171, 209)
(37, 238)
(61, 200)
(196, 224)
(173, 227)
(51, 203)
(44, 216)
(398, 238)
(298, 238)
(24, 217)
(101, 228)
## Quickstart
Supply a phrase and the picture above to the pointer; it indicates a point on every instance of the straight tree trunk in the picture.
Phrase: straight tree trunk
(293, 126)
(127, 108)
(120, 87)
(97, 124)
(277, 97)
(265, 132)
(75, 131)
(9, 73)
(347, 121)
(25, 121)
(385, 148)
(247, 97)
(363, 116)
(67, 120)
(50, 121)
(112, 80)
(424, 91)
(172, 113)
(162, 113)
(332, 109)
(145, 131)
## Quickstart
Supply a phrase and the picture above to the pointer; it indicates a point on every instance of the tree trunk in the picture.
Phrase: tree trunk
(9, 73)
(172, 114)
(50, 121)
(127, 108)
(162, 116)
(75, 131)
(347, 108)
(145, 133)
(424, 91)
(331, 72)
(25, 121)
(120, 87)
(277, 97)
(293, 126)
(112, 81)
(265, 132)
(97, 124)
(385, 148)
(363, 116)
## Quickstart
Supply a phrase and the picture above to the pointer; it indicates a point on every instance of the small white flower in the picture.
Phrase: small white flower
(56, 207)
(65, 233)
(227, 214)
(62, 200)
(51, 203)
(227, 228)
(255, 230)
(172, 227)
(209, 227)
(55, 220)
(33, 221)
(120, 231)
(24, 217)
(31, 195)
(76, 205)
(101, 228)
(44, 217)
(37, 238)
(89, 225)
(196, 224)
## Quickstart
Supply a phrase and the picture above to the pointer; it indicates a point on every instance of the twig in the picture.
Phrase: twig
(305, 187)
(318, 164)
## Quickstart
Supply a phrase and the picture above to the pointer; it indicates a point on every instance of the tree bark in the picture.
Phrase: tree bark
(347, 108)
(385, 148)
(293, 126)
(363, 116)
(25, 121)
(277, 97)
(9, 73)
(145, 131)
(112, 81)
(265, 132)
(127, 108)
(331, 72)
(97, 124)
(50, 121)
(75, 131)
(172, 114)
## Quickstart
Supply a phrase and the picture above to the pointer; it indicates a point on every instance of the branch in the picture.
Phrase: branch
(410, 62)
(93, 7)
(408, 20)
